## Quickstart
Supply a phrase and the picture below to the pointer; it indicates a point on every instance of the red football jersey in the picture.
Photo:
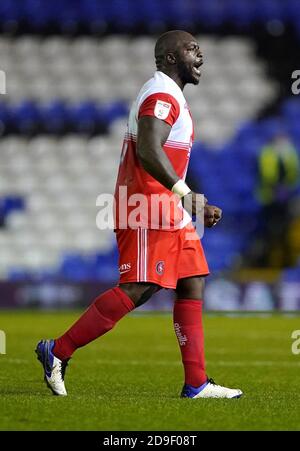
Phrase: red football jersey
(140, 200)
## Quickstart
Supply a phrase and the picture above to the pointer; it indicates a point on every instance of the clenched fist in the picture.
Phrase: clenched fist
(212, 215)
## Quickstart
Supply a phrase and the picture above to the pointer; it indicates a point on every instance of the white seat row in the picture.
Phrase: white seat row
(60, 179)
(116, 67)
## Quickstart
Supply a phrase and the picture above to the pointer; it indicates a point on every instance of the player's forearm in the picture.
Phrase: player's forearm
(158, 165)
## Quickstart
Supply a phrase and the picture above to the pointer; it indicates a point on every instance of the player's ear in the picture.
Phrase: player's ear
(171, 58)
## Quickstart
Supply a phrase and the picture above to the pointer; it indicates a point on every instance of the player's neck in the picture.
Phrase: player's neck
(174, 77)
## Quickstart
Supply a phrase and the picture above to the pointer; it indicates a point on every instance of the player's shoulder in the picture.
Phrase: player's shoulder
(160, 83)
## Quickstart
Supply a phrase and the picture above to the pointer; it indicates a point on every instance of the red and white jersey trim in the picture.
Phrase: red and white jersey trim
(169, 143)
(142, 251)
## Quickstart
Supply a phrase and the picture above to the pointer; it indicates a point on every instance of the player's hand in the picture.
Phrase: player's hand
(212, 215)
(194, 203)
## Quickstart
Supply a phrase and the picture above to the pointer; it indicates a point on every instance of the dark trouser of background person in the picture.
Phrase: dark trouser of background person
(272, 247)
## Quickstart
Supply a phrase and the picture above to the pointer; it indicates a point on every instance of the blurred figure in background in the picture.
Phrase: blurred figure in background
(278, 179)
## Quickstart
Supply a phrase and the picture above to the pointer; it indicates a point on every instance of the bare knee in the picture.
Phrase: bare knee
(139, 292)
(190, 288)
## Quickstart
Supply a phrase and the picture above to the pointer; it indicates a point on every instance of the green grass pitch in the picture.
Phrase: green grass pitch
(131, 378)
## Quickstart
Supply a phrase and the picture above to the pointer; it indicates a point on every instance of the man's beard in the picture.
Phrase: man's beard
(186, 75)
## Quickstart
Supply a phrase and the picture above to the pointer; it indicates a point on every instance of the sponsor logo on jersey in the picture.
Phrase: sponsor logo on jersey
(125, 267)
(181, 338)
(162, 109)
(160, 267)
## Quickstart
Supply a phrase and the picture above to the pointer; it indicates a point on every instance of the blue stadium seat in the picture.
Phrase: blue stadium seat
(125, 15)
(151, 14)
(75, 268)
(38, 13)
(271, 127)
(58, 116)
(84, 117)
(178, 12)
(18, 275)
(291, 109)
(94, 15)
(5, 118)
(26, 117)
(291, 275)
(240, 13)
(55, 116)
(113, 111)
(12, 203)
(266, 10)
(122, 14)
(210, 13)
(10, 11)
(292, 10)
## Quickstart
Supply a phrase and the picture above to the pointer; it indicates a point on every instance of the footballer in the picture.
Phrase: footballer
(159, 252)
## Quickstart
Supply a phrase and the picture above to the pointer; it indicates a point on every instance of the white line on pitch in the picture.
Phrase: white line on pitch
(216, 363)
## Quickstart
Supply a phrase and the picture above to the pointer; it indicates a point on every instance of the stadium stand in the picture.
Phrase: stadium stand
(92, 16)
(79, 74)
(72, 74)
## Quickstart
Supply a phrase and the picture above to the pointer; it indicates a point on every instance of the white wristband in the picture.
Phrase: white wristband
(180, 188)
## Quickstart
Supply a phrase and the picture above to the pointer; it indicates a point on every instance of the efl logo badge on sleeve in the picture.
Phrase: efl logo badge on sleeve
(162, 109)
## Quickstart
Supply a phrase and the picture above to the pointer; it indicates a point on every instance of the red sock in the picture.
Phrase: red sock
(187, 318)
(99, 318)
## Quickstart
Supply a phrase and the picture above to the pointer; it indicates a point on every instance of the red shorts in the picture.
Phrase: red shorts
(160, 257)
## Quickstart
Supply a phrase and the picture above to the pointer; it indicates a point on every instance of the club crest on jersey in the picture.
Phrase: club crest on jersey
(160, 267)
(162, 109)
